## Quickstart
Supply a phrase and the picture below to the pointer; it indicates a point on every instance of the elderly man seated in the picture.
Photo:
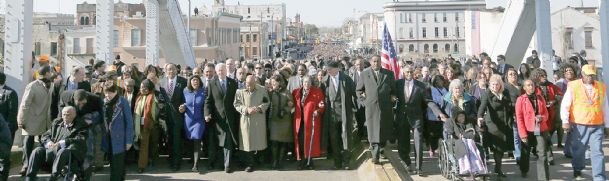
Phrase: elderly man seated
(64, 143)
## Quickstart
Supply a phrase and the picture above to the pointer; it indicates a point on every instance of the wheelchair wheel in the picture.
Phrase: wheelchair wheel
(441, 159)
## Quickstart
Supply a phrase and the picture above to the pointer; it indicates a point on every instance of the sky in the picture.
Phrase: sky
(319, 12)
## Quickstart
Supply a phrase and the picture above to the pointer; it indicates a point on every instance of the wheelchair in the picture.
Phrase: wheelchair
(448, 162)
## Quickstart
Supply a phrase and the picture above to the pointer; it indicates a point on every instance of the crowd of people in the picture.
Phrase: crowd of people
(255, 112)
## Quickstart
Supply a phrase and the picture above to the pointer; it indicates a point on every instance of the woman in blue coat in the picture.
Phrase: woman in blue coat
(194, 125)
(118, 130)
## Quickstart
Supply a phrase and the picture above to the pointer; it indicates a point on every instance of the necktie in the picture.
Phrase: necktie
(170, 88)
(376, 76)
(223, 86)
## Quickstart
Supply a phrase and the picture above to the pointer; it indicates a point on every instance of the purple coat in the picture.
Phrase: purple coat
(194, 124)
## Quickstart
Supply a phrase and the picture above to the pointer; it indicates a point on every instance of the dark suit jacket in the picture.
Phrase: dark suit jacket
(8, 106)
(506, 67)
(378, 103)
(58, 88)
(220, 107)
(414, 108)
(177, 98)
(346, 93)
(74, 140)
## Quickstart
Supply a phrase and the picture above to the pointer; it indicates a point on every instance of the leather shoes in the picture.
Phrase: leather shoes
(420, 173)
(23, 171)
(227, 170)
(249, 169)
(551, 162)
(376, 161)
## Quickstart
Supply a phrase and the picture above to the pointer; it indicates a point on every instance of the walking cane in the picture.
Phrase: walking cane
(312, 134)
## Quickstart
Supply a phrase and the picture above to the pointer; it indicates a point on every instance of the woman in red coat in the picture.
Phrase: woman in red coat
(309, 101)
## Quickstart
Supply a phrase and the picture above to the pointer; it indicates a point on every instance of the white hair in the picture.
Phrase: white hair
(220, 66)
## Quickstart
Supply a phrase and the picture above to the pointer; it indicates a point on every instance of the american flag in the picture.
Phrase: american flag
(389, 60)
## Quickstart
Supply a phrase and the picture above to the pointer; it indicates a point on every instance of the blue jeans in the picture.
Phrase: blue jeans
(583, 136)
(517, 143)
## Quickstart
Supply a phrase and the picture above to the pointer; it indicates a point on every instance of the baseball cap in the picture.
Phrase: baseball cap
(589, 69)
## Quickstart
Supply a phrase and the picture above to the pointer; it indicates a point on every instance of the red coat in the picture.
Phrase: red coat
(525, 115)
(553, 91)
(314, 97)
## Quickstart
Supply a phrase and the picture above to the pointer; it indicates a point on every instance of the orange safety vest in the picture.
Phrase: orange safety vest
(586, 106)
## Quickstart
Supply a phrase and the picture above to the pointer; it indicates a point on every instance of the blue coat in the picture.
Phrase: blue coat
(121, 128)
(194, 124)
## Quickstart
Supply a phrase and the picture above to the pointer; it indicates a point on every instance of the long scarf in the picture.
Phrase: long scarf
(146, 109)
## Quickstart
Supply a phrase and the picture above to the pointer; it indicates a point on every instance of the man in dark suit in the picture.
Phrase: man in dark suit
(221, 116)
(503, 67)
(89, 109)
(73, 82)
(376, 89)
(64, 142)
(174, 85)
(413, 100)
(260, 74)
(8, 105)
(360, 113)
(6, 142)
(534, 59)
(295, 82)
(338, 117)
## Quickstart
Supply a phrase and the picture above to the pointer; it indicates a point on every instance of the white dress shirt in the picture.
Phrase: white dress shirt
(408, 85)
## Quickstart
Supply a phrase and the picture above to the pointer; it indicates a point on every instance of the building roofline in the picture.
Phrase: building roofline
(435, 5)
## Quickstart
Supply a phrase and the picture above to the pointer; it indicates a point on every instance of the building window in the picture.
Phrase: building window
(424, 32)
(436, 32)
(411, 48)
(255, 37)
(401, 17)
(435, 17)
(568, 38)
(37, 47)
(136, 37)
(411, 33)
(401, 33)
(115, 38)
(248, 10)
(426, 48)
(447, 48)
(445, 32)
(409, 17)
(435, 48)
(444, 17)
(456, 47)
(254, 51)
(588, 38)
(456, 16)
(53, 48)
(401, 48)
(194, 37)
(423, 18)
(247, 38)
(89, 45)
(84, 20)
(76, 46)
(457, 32)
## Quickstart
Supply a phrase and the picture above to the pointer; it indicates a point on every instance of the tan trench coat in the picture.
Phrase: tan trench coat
(252, 127)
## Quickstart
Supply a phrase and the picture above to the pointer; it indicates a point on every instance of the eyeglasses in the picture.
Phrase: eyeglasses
(258, 67)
